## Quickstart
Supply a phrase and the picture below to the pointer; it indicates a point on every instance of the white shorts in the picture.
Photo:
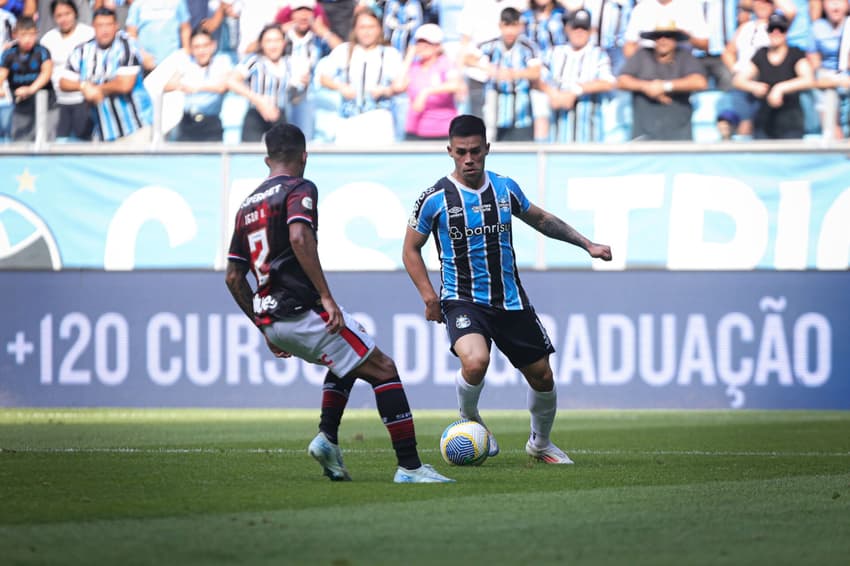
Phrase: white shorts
(306, 337)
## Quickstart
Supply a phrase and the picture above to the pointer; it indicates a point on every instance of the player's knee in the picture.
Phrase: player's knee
(474, 367)
(384, 368)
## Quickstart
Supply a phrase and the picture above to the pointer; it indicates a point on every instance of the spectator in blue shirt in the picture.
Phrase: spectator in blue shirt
(160, 27)
(828, 53)
(513, 64)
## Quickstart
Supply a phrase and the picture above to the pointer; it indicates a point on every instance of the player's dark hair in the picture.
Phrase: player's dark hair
(467, 125)
(69, 3)
(25, 22)
(285, 143)
(509, 16)
(104, 12)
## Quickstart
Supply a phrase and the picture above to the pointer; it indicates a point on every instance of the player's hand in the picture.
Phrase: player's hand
(275, 349)
(600, 251)
(433, 312)
(335, 321)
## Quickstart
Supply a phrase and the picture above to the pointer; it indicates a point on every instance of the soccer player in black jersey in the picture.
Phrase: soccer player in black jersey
(481, 298)
(275, 238)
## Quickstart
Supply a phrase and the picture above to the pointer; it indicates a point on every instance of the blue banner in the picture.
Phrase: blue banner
(650, 339)
(677, 211)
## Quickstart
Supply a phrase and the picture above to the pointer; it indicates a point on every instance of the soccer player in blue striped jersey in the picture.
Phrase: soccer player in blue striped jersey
(482, 300)
(108, 71)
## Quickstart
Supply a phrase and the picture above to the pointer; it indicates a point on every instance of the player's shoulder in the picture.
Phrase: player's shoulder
(502, 180)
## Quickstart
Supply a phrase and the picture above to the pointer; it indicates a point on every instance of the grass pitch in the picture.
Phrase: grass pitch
(220, 487)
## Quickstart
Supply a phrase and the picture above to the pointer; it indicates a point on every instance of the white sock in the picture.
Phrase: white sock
(542, 405)
(467, 397)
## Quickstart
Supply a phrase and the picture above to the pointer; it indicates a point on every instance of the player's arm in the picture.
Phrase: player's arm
(415, 266)
(236, 278)
(553, 227)
(303, 242)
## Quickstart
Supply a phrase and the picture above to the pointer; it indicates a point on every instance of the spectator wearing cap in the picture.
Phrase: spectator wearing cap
(727, 124)
(512, 63)
(749, 38)
(775, 76)
(308, 40)
(828, 53)
(431, 81)
(579, 72)
(644, 18)
(661, 80)
(609, 19)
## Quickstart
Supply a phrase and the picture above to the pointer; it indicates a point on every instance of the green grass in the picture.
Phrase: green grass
(217, 486)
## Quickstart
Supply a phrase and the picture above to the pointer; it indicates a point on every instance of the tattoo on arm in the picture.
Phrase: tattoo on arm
(553, 227)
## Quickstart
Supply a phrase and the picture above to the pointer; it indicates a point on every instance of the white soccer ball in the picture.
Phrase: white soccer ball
(465, 443)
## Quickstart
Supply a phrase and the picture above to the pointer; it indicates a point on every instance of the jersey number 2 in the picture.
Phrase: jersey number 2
(258, 243)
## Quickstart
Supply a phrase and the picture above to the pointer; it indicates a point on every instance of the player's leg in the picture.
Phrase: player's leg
(542, 405)
(325, 446)
(525, 342)
(470, 332)
(379, 370)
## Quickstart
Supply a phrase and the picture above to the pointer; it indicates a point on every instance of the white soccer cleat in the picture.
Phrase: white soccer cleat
(494, 446)
(329, 456)
(423, 474)
(550, 454)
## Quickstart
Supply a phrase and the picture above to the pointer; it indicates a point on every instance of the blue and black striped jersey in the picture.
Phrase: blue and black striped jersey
(472, 230)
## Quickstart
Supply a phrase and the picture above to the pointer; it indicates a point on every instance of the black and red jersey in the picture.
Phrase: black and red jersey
(261, 240)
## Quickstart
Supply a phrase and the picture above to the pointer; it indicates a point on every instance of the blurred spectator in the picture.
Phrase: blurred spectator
(284, 15)
(727, 125)
(512, 64)
(776, 75)
(265, 79)
(828, 54)
(364, 72)
(580, 72)
(661, 80)
(308, 41)
(7, 26)
(432, 81)
(609, 19)
(401, 19)
(44, 16)
(120, 7)
(254, 16)
(75, 120)
(721, 17)
(749, 38)
(478, 23)
(14, 7)
(203, 77)
(544, 26)
(160, 27)
(28, 66)
(108, 71)
(648, 14)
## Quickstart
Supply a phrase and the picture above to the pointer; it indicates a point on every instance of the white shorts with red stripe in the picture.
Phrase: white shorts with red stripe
(306, 337)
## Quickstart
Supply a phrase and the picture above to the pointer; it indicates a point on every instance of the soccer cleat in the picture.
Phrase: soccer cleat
(329, 456)
(494, 446)
(550, 454)
(423, 474)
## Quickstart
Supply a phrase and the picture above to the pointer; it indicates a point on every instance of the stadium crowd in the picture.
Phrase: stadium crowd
(380, 71)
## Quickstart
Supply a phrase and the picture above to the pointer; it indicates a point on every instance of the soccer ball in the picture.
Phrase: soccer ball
(465, 443)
